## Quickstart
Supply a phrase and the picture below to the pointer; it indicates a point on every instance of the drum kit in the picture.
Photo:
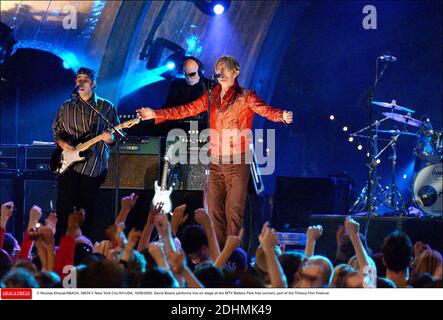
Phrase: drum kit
(426, 189)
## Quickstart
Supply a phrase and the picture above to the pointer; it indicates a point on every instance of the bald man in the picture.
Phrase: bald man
(193, 86)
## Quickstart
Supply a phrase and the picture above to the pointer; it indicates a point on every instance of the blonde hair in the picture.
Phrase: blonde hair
(230, 62)
(429, 261)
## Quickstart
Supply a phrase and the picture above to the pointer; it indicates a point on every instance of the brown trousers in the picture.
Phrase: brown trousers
(227, 193)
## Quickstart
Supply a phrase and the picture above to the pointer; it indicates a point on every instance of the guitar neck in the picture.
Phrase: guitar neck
(86, 145)
(164, 176)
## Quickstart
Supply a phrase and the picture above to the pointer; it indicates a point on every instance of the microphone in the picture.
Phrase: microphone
(215, 76)
(388, 58)
(75, 91)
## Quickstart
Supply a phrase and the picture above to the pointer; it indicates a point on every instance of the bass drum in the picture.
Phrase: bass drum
(428, 193)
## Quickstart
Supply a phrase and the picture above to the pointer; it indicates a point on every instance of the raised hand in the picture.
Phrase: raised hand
(268, 238)
(51, 222)
(76, 219)
(34, 216)
(178, 218)
(127, 203)
(352, 227)
(234, 241)
(202, 217)
(6, 213)
(162, 225)
(154, 212)
(145, 113)
(314, 232)
(268, 241)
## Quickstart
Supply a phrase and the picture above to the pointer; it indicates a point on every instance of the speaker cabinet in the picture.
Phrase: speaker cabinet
(298, 197)
(10, 191)
(137, 171)
(139, 163)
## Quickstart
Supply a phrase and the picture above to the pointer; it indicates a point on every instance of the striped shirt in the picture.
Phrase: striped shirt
(75, 118)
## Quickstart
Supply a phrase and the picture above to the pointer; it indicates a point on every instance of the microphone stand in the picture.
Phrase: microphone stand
(372, 148)
(117, 152)
(210, 83)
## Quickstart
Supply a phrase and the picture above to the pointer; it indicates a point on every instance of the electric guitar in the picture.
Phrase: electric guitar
(162, 193)
(62, 160)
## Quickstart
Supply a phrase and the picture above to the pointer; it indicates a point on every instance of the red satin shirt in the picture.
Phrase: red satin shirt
(231, 115)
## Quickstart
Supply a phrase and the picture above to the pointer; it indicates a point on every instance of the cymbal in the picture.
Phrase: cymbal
(395, 132)
(403, 119)
(392, 105)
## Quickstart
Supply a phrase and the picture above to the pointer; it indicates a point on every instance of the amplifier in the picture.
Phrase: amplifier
(9, 157)
(139, 163)
(37, 158)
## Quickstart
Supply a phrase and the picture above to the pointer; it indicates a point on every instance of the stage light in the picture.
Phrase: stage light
(213, 7)
(160, 49)
(351, 139)
(360, 147)
(378, 161)
(170, 65)
(345, 129)
(332, 117)
(218, 9)
(405, 176)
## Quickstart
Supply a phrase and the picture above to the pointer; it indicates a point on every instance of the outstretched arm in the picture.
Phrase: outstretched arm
(145, 238)
(175, 113)
(367, 265)
(232, 242)
(203, 218)
(262, 108)
(268, 241)
(312, 235)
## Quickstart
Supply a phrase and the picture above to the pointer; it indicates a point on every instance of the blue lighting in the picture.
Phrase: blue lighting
(170, 65)
(218, 9)
(191, 43)
(70, 59)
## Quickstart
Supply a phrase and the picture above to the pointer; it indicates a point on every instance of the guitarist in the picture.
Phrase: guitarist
(75, 122)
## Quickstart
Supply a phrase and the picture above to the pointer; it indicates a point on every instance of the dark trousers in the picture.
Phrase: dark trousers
(80, 191)
(228, 184)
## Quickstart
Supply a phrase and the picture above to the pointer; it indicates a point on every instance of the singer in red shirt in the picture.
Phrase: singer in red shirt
(232, 111)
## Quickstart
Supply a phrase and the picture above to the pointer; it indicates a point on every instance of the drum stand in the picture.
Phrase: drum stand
(393, 197)
(363, 203)
(390, 196)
